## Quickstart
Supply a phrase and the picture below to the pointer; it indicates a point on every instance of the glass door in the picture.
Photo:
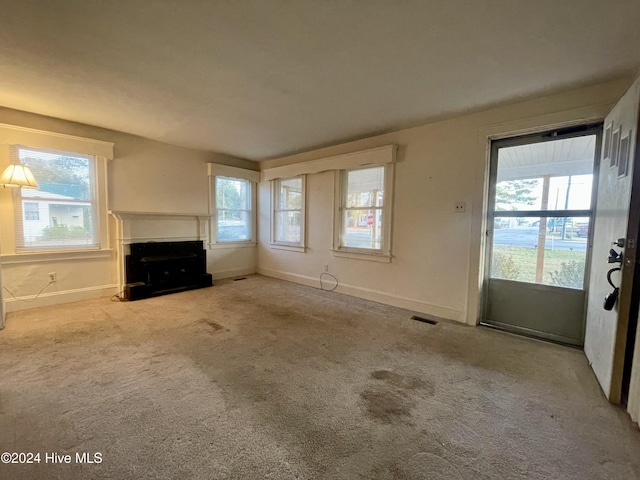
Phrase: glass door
(541, 201)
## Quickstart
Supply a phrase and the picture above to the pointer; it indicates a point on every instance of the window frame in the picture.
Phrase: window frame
(213, 205)
(98, 202)
(275, 197)
(341, 188)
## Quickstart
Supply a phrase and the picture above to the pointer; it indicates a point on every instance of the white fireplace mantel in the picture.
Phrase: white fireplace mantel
(160, 227)
(138, 227)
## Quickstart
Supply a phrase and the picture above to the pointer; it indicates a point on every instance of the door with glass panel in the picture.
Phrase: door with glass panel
(541, 199)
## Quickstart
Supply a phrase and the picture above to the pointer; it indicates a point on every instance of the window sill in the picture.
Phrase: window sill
(56, 255)
(291, 248)
(362, 255)
(223, 245)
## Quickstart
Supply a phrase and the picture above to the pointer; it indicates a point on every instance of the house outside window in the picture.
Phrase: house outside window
(62, 212)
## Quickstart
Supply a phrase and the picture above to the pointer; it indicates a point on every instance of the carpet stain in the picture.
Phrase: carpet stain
(407, 382)
(386, 406)
(214, 325)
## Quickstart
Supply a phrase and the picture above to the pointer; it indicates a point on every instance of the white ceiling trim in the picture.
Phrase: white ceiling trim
(555, 169)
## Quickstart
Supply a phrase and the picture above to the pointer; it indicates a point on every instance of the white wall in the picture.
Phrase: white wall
(437, 252)
(144, 176)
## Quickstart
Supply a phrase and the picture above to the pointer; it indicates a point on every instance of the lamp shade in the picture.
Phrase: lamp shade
(18, 176)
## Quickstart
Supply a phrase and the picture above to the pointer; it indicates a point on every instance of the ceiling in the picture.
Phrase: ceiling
(568, 156)
(261, 79)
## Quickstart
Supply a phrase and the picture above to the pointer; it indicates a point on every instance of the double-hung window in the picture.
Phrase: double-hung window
(233, 204)
(288, 216)
(363, 200)
(63, 212)
(233, 207)
(364, 209)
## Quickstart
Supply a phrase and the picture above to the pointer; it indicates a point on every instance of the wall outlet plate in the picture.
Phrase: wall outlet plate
(461, 207)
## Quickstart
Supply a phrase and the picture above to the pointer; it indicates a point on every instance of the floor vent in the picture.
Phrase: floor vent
(238, 279)
(424, 320)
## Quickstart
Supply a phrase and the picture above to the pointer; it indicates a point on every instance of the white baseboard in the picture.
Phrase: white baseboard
(236, 272)
(373, 295)
(56, 298)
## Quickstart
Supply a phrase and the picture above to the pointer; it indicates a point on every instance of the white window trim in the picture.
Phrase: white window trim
(382, 255)
(216, 170)
(373, 156)
(280, 245)
(41, 139)
(100, 201)
(55, 256)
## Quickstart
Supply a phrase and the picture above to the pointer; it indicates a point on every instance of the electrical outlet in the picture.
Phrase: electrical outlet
(326, 267)
(461, 207)
(53, 277)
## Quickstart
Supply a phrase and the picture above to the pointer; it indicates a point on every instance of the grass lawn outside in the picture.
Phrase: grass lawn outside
(562, 267)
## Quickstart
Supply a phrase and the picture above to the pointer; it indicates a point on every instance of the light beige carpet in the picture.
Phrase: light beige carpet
(265, 379)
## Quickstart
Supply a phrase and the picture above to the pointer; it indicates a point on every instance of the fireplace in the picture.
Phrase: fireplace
(160, 268)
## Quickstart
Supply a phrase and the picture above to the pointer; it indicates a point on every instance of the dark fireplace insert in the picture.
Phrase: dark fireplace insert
(160, 268)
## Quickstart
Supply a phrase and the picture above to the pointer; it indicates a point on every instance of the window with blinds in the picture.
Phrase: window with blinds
(62, 212)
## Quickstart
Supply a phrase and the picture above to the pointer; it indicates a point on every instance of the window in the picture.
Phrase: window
(31, 211)
(542, 195)
(288, 219)
(62, 213)
(232, 205)
(363, 220)
(234, 212)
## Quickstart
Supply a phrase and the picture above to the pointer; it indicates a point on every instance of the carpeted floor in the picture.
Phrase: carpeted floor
(265, 379)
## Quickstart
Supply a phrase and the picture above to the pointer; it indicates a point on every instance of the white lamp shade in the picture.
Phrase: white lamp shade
(18, 176)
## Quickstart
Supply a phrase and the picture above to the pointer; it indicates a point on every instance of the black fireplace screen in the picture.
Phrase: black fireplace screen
(159, 268)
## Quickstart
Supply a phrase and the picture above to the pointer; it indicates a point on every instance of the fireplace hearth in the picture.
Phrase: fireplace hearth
(160, 268)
